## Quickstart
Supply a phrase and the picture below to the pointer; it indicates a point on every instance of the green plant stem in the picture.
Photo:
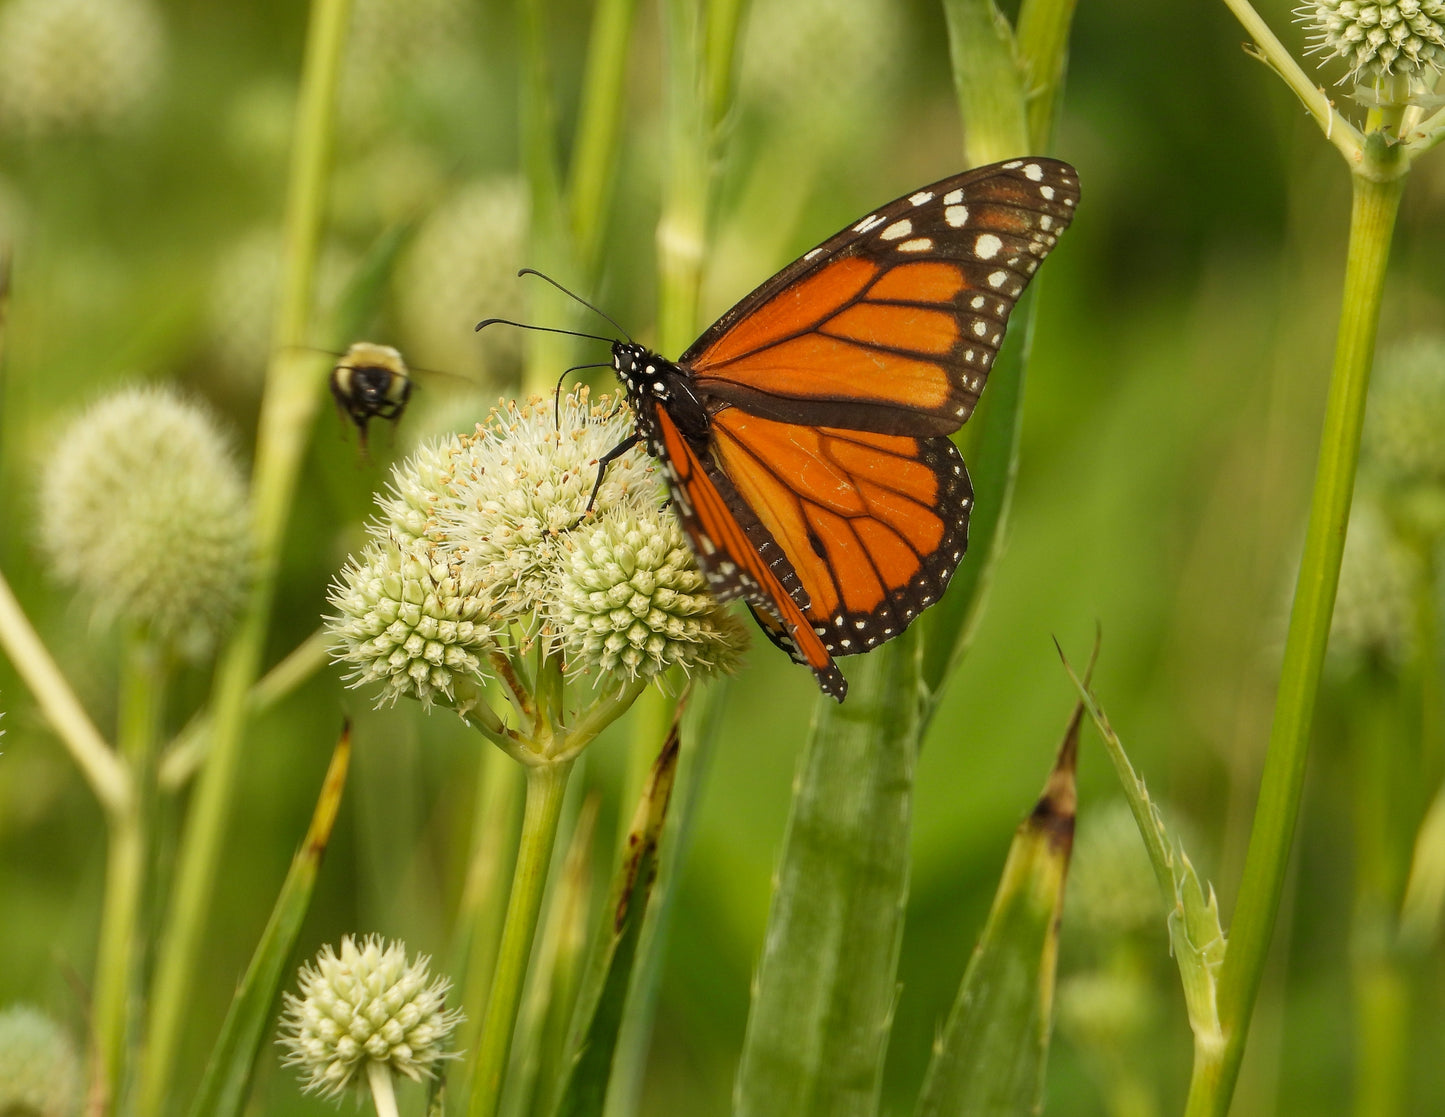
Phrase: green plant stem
(383, 1092)
(595, 146)
(546, 787)
(682, 228)
(1372, 219)
(188, 750)
(1042, 35)
(102, 769)
(293, 388)
(142, 702)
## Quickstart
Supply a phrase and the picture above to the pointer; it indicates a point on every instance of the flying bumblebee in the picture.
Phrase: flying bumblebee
(370, 382)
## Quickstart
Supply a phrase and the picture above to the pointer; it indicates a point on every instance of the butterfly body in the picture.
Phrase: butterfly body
(805, 433)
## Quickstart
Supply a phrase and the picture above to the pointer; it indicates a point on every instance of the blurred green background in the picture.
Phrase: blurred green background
(1183, 341)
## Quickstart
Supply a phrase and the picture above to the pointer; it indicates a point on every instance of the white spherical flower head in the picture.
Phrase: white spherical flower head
(365, 1005)
(1406, 414)
(520, 485)
(78, 64)
(1402, 39)
(411, 625)
(632, 602)
(41, 1074)
(143, 507)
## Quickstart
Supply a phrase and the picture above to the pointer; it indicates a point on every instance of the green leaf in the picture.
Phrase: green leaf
(994, 1049)
(603, 995)
(1196, 938)
(227, 1079)
(988, 81)
(823, 999)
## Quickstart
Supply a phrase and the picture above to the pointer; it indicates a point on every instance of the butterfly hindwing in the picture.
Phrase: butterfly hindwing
(736, 552)
(874, 525)
(893, 324)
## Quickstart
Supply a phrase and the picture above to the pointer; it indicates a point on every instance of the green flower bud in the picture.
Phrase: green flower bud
(78, 64)
(1111, 887)
(143, 508)
(461, 268)
(632, 603)
(1406, 414)
(410, 623)
(40, 1071)
(1374, 606)
(367, 1005)
(1390, 39)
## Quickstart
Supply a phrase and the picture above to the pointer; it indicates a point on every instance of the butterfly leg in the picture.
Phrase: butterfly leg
(603, 462)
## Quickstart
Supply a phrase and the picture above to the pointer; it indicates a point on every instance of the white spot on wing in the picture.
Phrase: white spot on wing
(897, 230)
(1047, 192)
(1033, 172)
(988, 246)
(917, 244)
(872, 221)
(957, 216)
(997, 279)
(953, 197)
(1012, 163)
(921, 197)
(811, 253)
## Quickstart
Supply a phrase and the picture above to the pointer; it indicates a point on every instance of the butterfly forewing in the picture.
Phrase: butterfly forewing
(893, 324)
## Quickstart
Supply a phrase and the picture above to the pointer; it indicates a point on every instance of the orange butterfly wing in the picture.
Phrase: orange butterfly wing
(874, 525)
(737, 553)
(892, 325)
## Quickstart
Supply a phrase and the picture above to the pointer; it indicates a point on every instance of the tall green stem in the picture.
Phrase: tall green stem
(117, 968)
(546, 787)
(292, 392)
(1372, 220)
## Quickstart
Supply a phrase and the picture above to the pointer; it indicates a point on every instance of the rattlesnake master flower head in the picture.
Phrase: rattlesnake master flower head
(631, 601)
(460, 268)
(40, 1070)
(521, 482)
(68, 65)
(367, 1004)
(1374, 606)
(143, 508)
(1406, 414)
(1390, 39)
(484, 545)
(411, 625)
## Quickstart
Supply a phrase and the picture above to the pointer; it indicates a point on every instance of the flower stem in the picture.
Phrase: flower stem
(383, 1092)
(117, 967)
(1372, 219)
(293, 388)
(546, 787)
(105, 773)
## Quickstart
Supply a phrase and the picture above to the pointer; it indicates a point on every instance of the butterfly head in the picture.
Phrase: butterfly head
(643, 373)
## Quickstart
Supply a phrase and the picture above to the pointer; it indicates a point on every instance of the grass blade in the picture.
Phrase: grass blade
(823, 999)
(603, 994)
(994, 1050)
(227, 1079)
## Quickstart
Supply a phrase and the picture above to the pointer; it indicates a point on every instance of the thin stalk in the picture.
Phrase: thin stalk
(682, 228)
(546, 787)
(103, 771)
(383, 1092)
(292, 393)
(1042, 35)
(118, 962)
(1372, 219)
(595, 146)
(187, 752)
(479, 915)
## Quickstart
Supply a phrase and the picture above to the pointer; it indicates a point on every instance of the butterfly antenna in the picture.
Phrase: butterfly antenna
(578, 298)
(557, 396)
(541, 329)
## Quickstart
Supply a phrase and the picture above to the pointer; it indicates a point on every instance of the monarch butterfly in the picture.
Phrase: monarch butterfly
(805, 433)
